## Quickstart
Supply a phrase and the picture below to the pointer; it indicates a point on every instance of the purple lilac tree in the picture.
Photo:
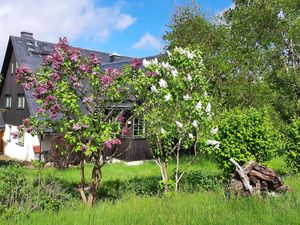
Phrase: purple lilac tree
(75, 97)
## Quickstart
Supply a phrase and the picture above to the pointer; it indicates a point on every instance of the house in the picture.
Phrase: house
(19, 104)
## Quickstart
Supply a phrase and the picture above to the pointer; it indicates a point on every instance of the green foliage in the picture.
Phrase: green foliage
(293, 146)
(18, 196)
(245, 134)
(200, 180)
(13, 186)
(251, 52)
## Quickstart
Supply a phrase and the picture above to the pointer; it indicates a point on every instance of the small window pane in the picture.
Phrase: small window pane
(12, 68)
(138, 128)
(7, 101)
(21, 140)
(21, 101)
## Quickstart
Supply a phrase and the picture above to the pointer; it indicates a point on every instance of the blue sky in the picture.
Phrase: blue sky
(128, 27)
(151, 18)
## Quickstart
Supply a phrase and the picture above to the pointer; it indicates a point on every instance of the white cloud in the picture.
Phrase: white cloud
(50, 19)
(148, 41)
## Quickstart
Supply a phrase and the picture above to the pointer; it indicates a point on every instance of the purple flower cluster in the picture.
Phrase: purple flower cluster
(48, 59)
(151, 74)
(95, 60)
(15, 134)
(54, 110)
(109, 76)
(124, 131)
(26, 125)
(83, 148)
(84, 68)
(40, 110)
(76, 127)
(55, 76)
(110, 143)
(25, 77)
(87, 100)
(136, 63)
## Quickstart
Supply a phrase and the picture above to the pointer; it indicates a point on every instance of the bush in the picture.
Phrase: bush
(199, 180)
(13, 187)
(245, 134)
(19, 196)
(293, 146)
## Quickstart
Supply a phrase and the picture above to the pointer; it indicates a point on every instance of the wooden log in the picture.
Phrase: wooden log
(261, 176)
(243, 176)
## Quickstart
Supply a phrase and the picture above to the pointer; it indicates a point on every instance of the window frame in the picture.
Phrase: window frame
(9, 134)
(8, 96)
(21, 139)
(22, 105)
(12, 68)
(138, 124)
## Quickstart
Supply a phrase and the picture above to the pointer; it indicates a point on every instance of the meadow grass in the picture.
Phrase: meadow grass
(202, 207)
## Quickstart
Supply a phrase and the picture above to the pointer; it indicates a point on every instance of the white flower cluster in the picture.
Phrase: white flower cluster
(214, 130)
(179, 125)
(185, 52)
(150, 62)
(188, 77)
(186, 97)
(163, 83)
(153, 89)
(170, 68)
(168, 97)
(214, 143)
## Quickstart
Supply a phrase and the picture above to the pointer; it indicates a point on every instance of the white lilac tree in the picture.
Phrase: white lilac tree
(171, 95)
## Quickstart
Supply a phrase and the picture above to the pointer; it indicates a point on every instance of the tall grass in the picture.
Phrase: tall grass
(202, 207)
(197, 208)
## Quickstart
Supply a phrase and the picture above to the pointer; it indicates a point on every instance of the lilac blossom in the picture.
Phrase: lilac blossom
(76, 127)
(136, 63)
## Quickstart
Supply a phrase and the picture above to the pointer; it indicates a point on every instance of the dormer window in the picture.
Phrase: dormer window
(8, 101)
(21, 101)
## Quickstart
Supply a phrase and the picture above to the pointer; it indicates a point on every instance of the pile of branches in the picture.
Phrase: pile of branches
(253, 179)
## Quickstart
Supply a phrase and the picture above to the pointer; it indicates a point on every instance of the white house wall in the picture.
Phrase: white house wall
(14, 150)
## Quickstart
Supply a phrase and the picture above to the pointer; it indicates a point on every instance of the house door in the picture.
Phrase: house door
(1, 142)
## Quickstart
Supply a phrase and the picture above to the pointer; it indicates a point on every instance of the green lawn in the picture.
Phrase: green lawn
(201, 207)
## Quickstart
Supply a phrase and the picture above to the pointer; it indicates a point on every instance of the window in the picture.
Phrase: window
(12, 68)
(21, 139)
(21, 101)
(138, 128)
(7, 101)
(9, 134)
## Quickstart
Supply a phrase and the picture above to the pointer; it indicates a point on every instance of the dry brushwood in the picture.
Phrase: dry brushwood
(254, 178)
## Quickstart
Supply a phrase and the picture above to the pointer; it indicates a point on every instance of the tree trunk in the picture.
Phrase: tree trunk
(177, 171)
(164, 173)
(82, 182)
(96, 177)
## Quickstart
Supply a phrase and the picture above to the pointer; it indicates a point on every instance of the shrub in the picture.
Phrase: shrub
(19, 196)
(199, 180)
(13, 186)
(245, 134)
(293, 146)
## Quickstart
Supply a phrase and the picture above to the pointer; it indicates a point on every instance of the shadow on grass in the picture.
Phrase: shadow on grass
(113, 190)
